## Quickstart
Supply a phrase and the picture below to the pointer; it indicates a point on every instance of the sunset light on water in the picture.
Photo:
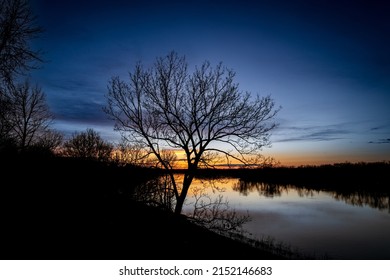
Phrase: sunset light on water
(322, 224)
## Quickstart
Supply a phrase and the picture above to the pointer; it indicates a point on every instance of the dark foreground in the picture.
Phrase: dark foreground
(64, 209)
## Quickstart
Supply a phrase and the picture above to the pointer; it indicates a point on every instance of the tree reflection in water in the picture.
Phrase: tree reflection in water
(375, 200)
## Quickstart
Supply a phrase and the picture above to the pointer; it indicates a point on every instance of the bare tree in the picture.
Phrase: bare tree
(128, 153)
(88, 144)
(17, 28)
(203, 114)
(29, 116)
(50, 140)
(25, 118)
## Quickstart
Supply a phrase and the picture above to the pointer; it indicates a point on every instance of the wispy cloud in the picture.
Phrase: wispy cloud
(380, 127)
(380, 141)
(69, 127)
(311, 133)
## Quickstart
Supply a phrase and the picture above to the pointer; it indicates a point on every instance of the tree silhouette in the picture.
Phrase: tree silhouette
(49, 141)
(204, 114)
(126, 153)
(89, 145)
(28, 117)
(17, 28)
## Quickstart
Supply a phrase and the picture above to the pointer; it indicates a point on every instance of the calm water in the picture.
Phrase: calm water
(319, 223)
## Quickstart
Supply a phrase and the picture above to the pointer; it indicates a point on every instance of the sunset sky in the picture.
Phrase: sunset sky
(327, 63)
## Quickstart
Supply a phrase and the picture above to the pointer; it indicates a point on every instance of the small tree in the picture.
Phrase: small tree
(28, 117)
(127, 153)
(51, 140)
(89, 145)
(203, 114)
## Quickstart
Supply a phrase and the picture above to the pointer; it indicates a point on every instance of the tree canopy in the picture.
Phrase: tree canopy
(88, 144)
(203, 113)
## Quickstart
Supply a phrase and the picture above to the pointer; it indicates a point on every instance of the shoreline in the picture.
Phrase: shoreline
(61, 208)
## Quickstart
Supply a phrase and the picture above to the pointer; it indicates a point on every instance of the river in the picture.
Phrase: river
(318, 223)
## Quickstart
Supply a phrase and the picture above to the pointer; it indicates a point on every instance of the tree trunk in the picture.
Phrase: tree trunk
(180, 203)
(188, 177)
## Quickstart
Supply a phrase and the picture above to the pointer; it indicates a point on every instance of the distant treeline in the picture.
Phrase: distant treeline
(65, 175)
(358, 176)
(50, 170)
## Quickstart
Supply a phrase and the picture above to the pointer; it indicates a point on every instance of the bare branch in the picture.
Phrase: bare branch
(28, 115)
(166, 107)
(88, 144)
(17, 28)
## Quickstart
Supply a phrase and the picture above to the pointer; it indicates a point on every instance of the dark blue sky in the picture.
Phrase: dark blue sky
(327, 63)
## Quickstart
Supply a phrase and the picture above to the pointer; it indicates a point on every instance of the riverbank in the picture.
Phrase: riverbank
(63, 209)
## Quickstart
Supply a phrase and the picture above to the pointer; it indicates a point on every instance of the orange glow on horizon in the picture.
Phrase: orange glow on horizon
(293, 159)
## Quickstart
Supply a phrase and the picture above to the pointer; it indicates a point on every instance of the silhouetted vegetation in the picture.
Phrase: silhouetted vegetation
(127, 153)
(362, 176)
(24, 113)
(71, 208)
(65, 207)
(17, 28)
(28, 116)
(359, 184)
(166, 107)
(342, 176)
(88, 145)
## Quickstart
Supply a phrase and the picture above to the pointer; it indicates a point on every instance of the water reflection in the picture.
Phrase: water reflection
(326, 221)
(377, 201)
(338, 224)
(264, 189)
(356, 198)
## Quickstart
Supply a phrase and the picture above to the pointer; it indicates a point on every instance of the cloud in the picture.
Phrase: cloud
(380, 141)
(380, 127)
(69, 127)
(311, 133)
